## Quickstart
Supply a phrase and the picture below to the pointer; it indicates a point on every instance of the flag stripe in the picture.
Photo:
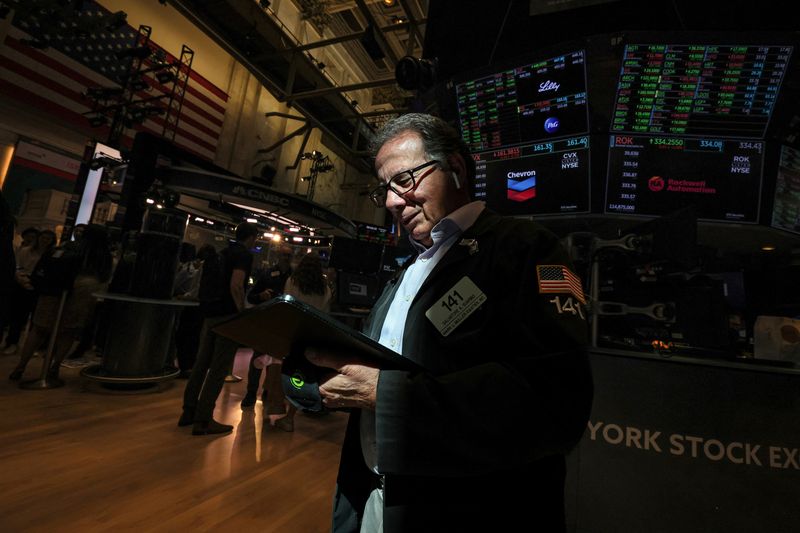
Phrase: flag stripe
(19, 92)
(44, 168)
(35, 77)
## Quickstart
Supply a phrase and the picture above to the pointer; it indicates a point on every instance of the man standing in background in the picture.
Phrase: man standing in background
(227, 282)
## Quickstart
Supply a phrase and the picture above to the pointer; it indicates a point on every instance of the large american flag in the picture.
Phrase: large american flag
(559, 279)
(55, 80)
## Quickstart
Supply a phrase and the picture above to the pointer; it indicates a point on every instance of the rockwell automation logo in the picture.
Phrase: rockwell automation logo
(656, 183)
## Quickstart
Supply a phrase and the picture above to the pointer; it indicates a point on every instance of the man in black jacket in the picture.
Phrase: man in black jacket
(493, 312)
(215, 356)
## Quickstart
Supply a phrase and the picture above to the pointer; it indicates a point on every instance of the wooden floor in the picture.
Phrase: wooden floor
(83, 459)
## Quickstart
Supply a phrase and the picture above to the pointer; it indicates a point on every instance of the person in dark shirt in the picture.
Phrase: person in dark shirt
(8, 264)
(268, 286)
(215, 356)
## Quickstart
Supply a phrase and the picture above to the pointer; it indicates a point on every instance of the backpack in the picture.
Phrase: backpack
(213, 284)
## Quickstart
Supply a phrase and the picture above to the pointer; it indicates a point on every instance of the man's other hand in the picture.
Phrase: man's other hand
(353, 384)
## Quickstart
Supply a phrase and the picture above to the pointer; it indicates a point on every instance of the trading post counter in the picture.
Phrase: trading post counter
(140, 340)
(687, 444)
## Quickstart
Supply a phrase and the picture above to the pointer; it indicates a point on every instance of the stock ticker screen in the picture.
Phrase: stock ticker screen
(786, 210)
(527, 129)
(704, 90)
(657, 175)
(688, 128)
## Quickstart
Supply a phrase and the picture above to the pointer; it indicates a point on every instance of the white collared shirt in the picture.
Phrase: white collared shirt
(443, 234)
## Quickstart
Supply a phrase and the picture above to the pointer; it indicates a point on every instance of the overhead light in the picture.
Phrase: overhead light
(294, 230)
(252, 220)
(165, 76)
(141, 52)
(116, 21)
(150, 201)
(153, 110)
(138, 84)
(768, 248)
(104, 93)
(97, 121)
(389, 3)
(276, 237)
(199, 219)
(415, 74)
(159, 206)
(297, 239)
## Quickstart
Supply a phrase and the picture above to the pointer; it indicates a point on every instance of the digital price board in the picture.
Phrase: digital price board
(545, 178)
(527, 128)
(541, 100)
(698, 89)
(657, 175)
(786, 207)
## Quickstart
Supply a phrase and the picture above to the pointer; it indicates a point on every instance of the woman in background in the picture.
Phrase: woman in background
(308, 285)
(23, 299)
(81, 270)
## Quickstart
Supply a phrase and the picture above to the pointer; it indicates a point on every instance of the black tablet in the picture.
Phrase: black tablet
(284, 325)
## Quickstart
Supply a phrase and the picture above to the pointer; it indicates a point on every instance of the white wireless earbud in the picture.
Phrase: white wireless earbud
(455, 178)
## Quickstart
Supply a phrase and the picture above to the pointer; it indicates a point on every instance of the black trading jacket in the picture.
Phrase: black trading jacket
(478, 441)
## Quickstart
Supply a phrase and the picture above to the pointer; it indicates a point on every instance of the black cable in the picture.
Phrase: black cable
(500, 33)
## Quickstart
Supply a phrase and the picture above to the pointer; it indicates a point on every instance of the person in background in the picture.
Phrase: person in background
(8, 263)
(216, 353)
(77, 357)
(269, 285)
(187, 335)
(77, 231)
(307, 284)
(81, 271)
(23, 299)
(494, 317)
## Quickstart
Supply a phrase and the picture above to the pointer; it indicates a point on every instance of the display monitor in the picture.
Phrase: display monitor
(698, 89)
(353, 255)
(527, 128)
(786, 207)
(357, 290)
(654, 176)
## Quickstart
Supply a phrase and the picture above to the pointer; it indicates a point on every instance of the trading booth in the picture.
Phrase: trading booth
(671, 186)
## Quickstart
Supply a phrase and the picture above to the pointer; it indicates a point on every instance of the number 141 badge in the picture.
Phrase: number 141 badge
(455, 306)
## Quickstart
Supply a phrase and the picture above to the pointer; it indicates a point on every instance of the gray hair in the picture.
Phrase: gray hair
(439, 139)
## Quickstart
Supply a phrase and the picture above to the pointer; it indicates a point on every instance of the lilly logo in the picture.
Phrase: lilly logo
(551, 125)
(656, 183)
(548, 86)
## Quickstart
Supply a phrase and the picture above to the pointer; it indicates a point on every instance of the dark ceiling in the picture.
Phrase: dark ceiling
(470, 35)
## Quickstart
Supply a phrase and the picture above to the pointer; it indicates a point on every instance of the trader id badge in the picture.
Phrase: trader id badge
(455, 306)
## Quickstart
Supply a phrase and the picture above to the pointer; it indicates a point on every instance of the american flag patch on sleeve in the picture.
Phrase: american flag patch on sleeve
(559, 279)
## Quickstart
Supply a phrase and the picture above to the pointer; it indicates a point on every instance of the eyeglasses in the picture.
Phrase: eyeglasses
(401, 183)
